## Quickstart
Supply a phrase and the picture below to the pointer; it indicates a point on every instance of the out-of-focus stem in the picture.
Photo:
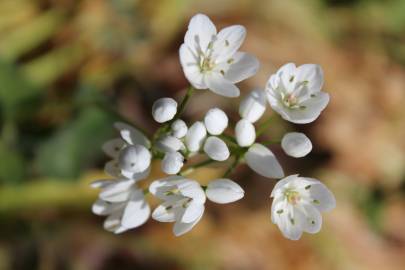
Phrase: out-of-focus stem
(264, 125)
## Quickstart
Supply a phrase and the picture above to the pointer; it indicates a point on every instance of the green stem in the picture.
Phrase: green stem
(191, 168)
(271, 142)
(232, 166)
(265, 125)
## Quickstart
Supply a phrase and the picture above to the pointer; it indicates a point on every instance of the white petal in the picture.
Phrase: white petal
(101, 183)
(136, 212)
(245, 133)
(287, 224)
(192, 212)
(181, 228)
(103, 208)
(227, 42)
(200, 33)
(164, 213)
(216, 121)
(191, 67)
(253, 106)
(112, 168)
(136, 176)
(193, 190)
(281, 183)
(221, 86)
(172, 162)
(134, 158)
(287, 74)
(164, 109)
(170, 144)
(296, 144)
(325, 200)
(113, 223)
(179, 128)
(224, 191)
(113, 147)
(311, 74)
(132, 135)
(167, 181)
(243, 66)
(117, 192)
(195, 136)
(312, 219)
(262, 160)
(216, 149)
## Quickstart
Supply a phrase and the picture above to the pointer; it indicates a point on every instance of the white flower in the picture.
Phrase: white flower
(195, 136)
(216, 121)
(245, 133)
(216, 149)
(164, 109)
(295, 92)
(224, 191)
(183, 202)
(297, 203)
(211, 60)
(296, 144)
(253, 106)
(130, 136)
(123, 204)
(134, 159)
(179, 128)
(172, 162)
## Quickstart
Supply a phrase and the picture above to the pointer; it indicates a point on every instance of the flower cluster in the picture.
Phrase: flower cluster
(212, 60)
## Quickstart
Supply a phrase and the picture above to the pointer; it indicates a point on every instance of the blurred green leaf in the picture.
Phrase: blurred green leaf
(30, 35)
(12, 165)
(76, 146)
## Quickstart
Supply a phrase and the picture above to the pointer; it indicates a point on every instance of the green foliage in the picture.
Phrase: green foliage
(76, 145)
(12, 165)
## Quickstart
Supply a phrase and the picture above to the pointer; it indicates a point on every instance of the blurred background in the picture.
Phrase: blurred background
(70, 68)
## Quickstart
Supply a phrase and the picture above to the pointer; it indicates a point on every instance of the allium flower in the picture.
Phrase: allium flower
(211, 60)
(295, 92)
(296, 144)
(297, 205)
(130, 155)
(172, 162)
(164, 109)
(123, 204)
(183, 202)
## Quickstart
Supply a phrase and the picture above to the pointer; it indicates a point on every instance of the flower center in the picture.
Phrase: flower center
(206, 64)
(293, 197)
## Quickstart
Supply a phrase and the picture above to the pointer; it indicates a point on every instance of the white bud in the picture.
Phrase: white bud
(216, 149)
(253, 106)
(134, 158)
(215, 121)
(245, 133)
(164, 109)
(179, 128)
(296, 144)
(170, 144)
(195, 136)
(172, 162)
(224, 191)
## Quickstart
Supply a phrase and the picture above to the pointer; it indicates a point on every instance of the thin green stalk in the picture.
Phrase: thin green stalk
(265, 125)
(192, 168)
(232, 166)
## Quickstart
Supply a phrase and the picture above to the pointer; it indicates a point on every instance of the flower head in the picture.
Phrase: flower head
(295, 92)
(183, 202)
(297, 205)
(211, 60)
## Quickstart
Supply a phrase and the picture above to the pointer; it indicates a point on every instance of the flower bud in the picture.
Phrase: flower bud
(195, 136)
(245, 133)
(296, 144)
(215, 121)
(164, 109)
(253, 106)
(224, 191)
(179, 128)
(170, 144)
(216, 149)
(134, 158)
(172, 162)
